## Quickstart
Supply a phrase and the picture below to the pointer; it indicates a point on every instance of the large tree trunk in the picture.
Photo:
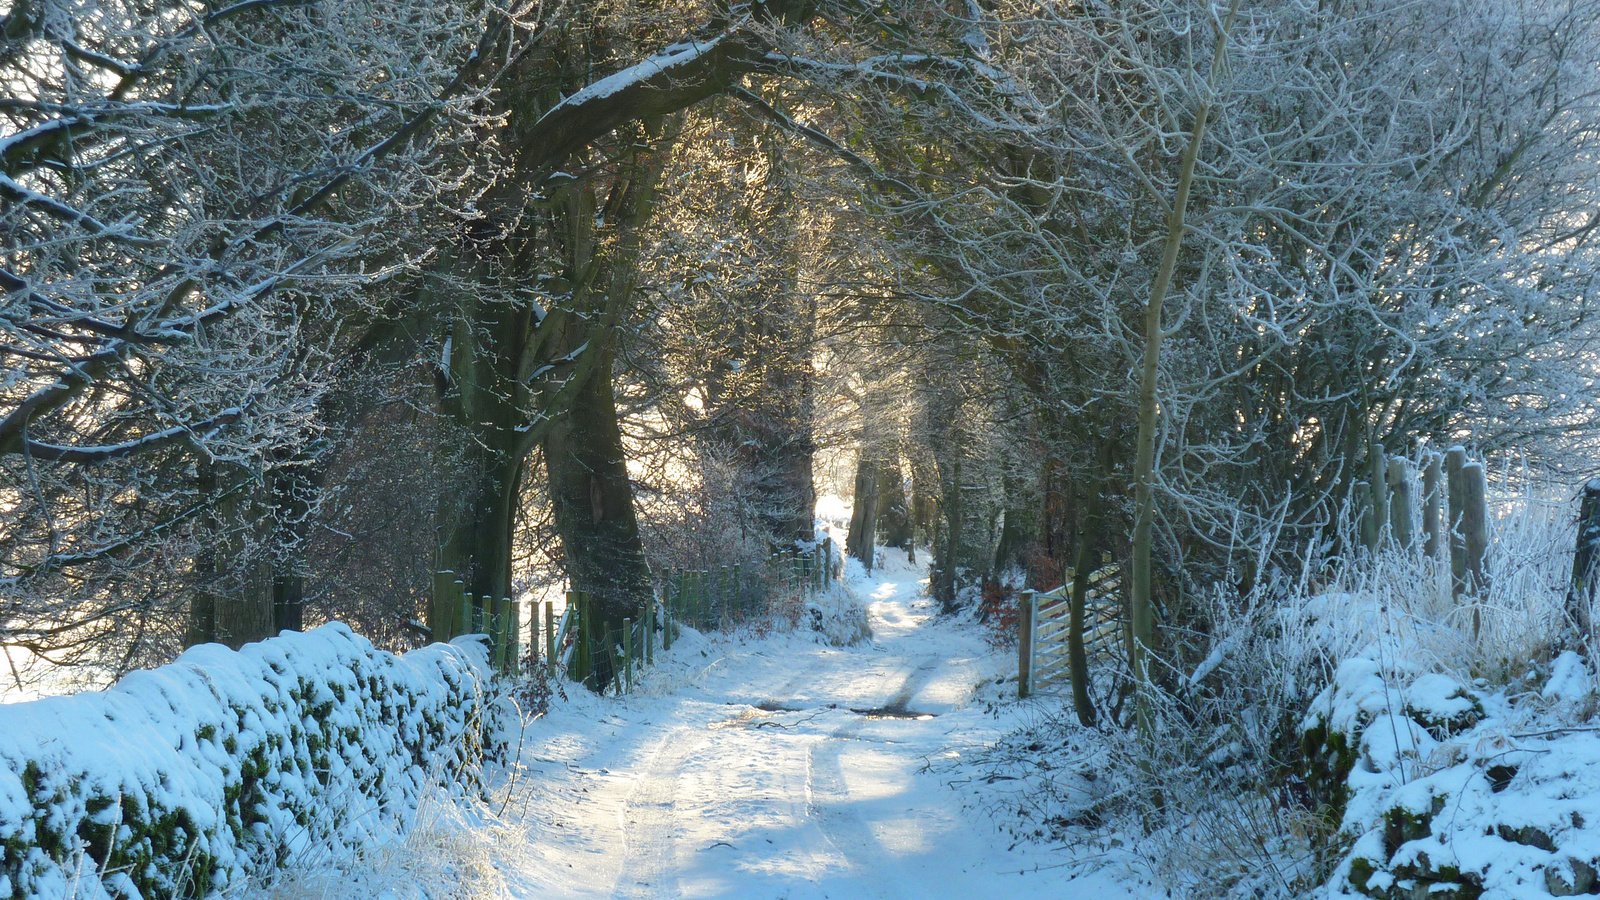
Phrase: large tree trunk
(894, 510)
(479, 522)
(594, 514)
(862, 538)
(593, 501)
(484, 392)
(244, 615)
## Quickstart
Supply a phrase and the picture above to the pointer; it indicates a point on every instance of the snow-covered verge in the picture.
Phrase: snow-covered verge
(190, 778)
(1451, 790)
(1351, 730)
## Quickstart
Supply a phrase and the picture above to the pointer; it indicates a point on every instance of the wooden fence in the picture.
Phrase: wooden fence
(1045, 623)
(1452, 509)
(457, 612)
(568, 644)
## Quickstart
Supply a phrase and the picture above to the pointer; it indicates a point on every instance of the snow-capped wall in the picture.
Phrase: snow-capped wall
(1448, 791)
(181, 780)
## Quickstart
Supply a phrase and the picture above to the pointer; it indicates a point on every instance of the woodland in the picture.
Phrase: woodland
(307, 301)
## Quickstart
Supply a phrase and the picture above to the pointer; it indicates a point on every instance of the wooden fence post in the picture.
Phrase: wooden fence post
(1580, 593)
(551, 651)
(1028, 608)
(578, 628)
(513, 634)
(1475, 532)
(502, 643)
(441, 612)
(1400, 511)
(1455, 459)
(1366, 515)
(1378, 480)
(647, 618)
(535, 634)
(502, 636)
(666, 618)
(627, 654)
(461, 622)
(1432, 506)
(491, 628)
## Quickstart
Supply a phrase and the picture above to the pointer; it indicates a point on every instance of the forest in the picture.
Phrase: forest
(353, 311)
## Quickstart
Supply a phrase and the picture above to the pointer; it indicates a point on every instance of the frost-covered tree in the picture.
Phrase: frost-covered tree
(198, 199)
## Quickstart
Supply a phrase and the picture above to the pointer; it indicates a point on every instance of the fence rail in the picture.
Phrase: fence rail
(1045, 626)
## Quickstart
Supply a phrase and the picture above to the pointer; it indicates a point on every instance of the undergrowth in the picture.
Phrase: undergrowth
(1220, 800)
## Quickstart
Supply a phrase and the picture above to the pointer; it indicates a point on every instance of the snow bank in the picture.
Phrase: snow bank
(182, 780)
(1448, 791)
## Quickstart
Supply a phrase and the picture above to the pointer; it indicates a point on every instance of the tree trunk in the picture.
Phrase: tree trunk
(479, 522)
(245, 614)
(894, 511)
(233, 602)
(948, 553)
(1141, 612)
(208, 561)
(788, 445)
(594, 515)
(1019, 526)
(792, 488)
(924, 501)
(1083, 564)
(863, 535)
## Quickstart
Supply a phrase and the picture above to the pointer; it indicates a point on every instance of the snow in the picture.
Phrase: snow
(1454, 788)
(225, 762)
(834, 510)
(745, 767)
(1569, 685)
(669, 58)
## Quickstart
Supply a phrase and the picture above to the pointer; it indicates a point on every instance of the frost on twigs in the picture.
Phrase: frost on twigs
(184, 780)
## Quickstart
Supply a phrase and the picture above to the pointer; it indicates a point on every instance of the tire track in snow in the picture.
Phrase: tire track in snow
(828, 794)
(649, 820)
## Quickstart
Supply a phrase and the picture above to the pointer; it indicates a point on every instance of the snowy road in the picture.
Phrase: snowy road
(779, 767)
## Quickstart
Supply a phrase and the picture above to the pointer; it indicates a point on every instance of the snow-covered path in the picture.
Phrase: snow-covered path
(779, 767)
